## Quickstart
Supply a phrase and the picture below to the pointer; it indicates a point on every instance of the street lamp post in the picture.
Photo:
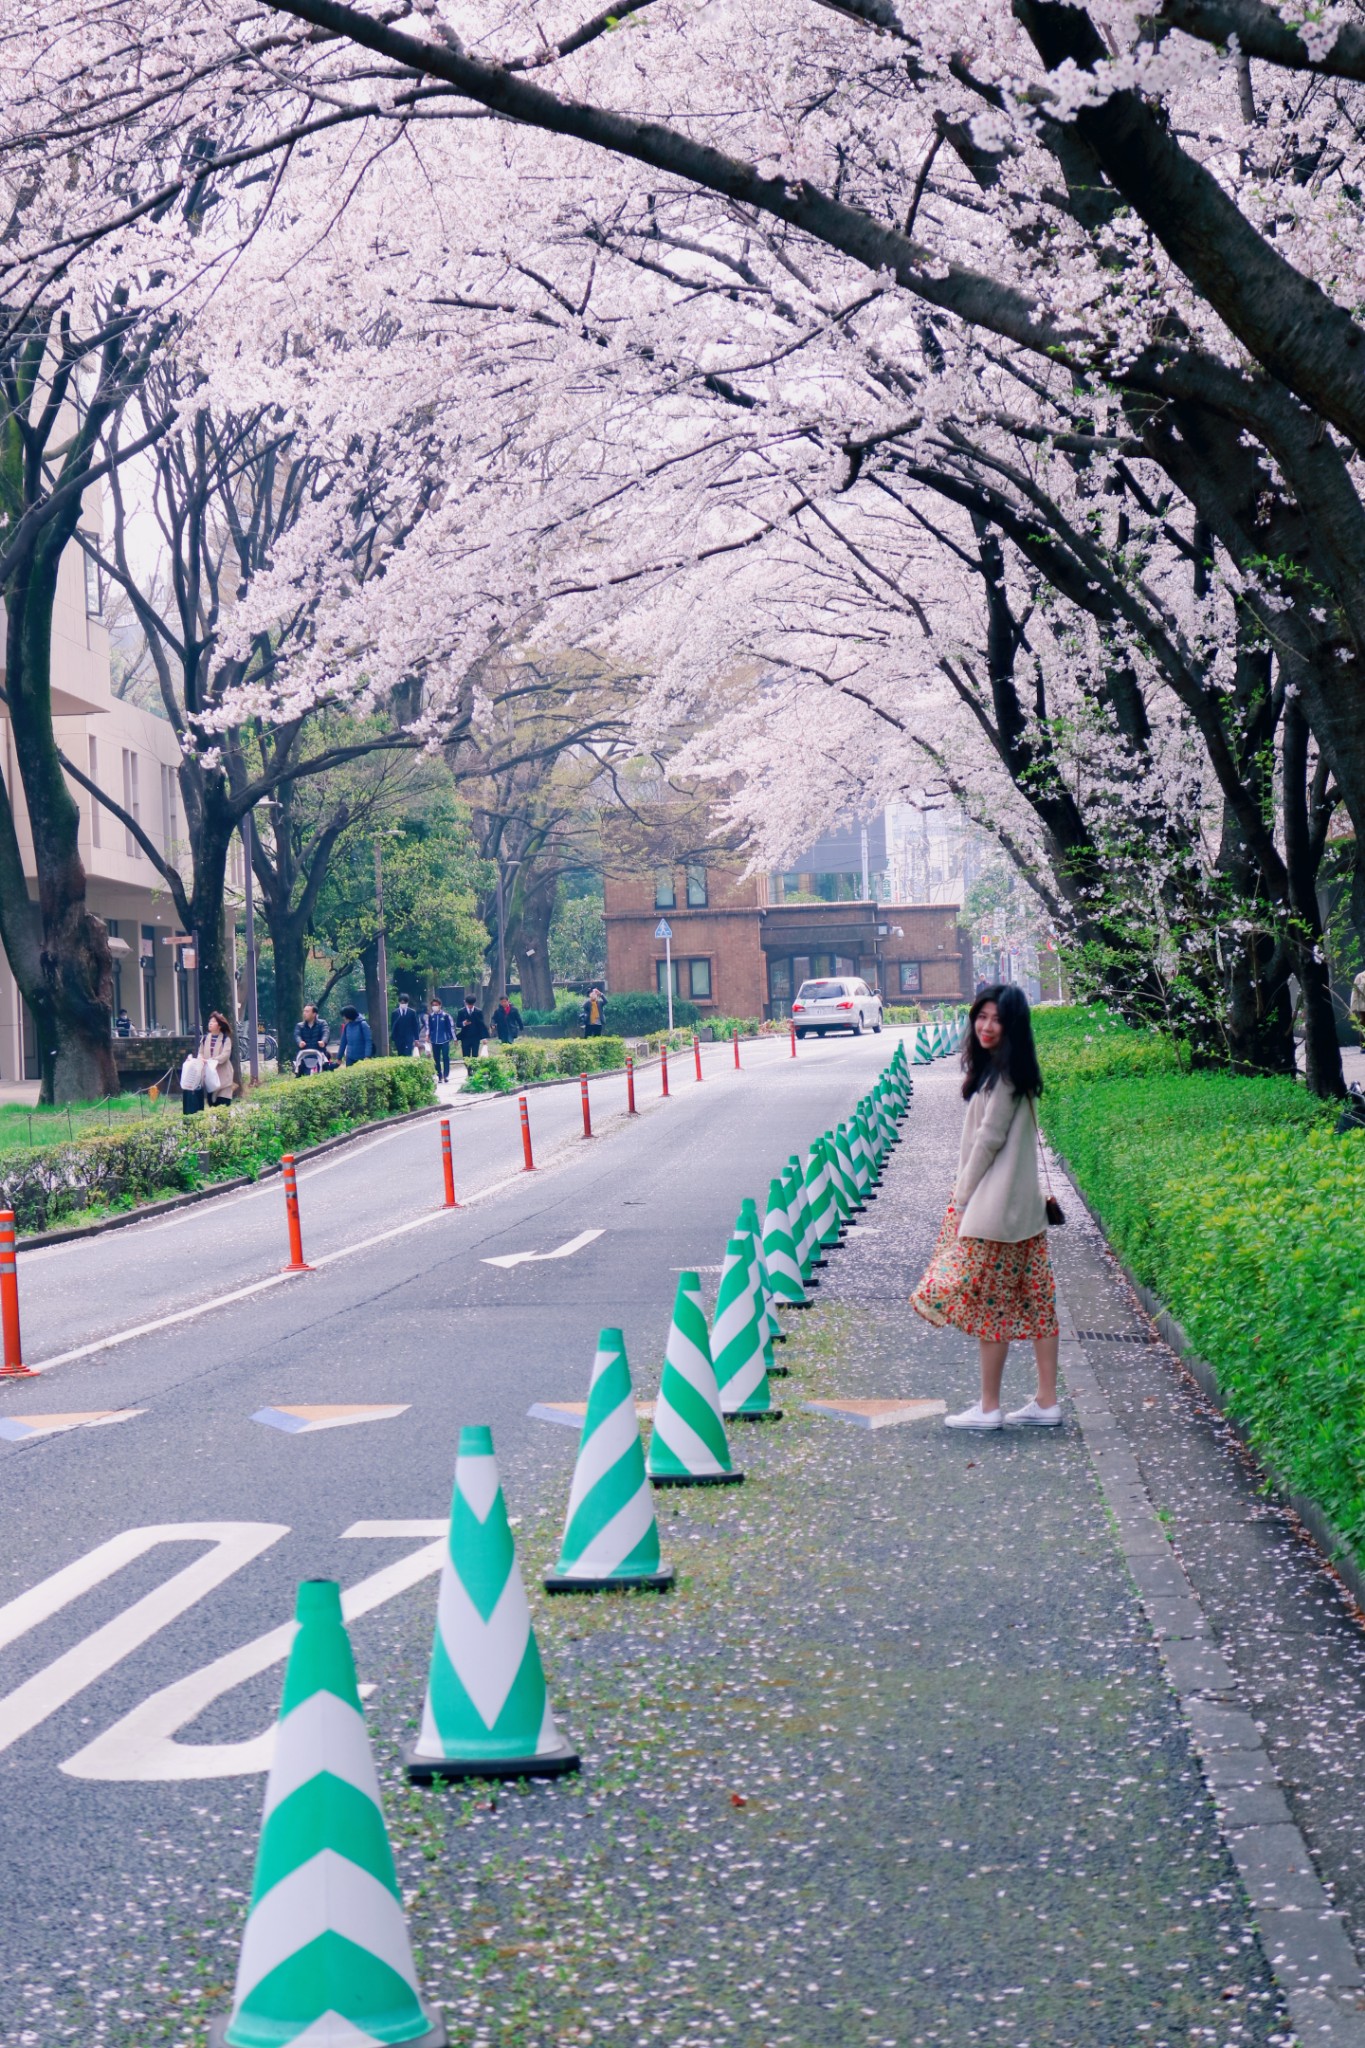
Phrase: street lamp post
(253, 1026)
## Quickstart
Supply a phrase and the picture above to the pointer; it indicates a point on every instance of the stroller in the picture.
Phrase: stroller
(311, 1059)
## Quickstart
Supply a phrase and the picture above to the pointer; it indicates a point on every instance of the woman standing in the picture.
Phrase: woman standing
(990, 1274)
(216, 1046)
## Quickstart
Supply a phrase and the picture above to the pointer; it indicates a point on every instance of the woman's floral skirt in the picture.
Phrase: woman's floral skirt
(998, 1292)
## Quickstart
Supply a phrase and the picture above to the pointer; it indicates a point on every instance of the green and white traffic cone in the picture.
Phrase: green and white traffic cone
(824, 1210)
(747, 1225)
(839, 1188)
(804, 1235)
(864, 1165)
(325, 1959)
(779, 1251)
(922, 1052)
(611, 1539)
(487, 1713)
(843, 1152)
(737, 1344)
(688, 1446)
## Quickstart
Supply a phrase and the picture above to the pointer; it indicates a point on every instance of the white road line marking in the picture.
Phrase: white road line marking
(141, 1747)
(565, 1251)
(308, 1420)
(203, 1308)
(234, 1544)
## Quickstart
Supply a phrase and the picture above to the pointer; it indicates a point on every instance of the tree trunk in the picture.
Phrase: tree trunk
(376, 998)
(67, 980)
(217, 973)
(529, 944)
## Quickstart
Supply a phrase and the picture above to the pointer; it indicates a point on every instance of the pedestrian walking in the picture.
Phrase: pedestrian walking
(441, 1036)
(473, 1029)
(215, 1053)
(507, 1022)
(593, 1013)
(405, 1028)
(355, 1040)
(990, 1274)
(311, 1037)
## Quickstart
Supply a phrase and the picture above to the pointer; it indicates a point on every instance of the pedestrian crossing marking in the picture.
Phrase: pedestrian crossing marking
(882, 1414)
(309, 1418)
(571, 1413)
(21, 1429)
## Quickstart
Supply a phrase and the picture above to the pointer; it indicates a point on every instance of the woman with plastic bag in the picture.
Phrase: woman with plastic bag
(215, 1052)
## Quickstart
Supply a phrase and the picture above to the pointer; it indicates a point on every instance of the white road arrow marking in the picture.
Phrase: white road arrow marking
(565, 1251)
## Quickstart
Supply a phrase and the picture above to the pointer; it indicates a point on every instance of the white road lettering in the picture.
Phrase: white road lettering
(234, 1544)
(565, 1251)
(142, 1746)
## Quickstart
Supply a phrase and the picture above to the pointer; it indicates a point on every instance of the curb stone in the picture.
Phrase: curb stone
(145, 1212)
(1304, 1937)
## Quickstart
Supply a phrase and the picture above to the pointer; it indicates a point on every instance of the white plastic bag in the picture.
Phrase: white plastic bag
(191, 1075)
(210, 1082)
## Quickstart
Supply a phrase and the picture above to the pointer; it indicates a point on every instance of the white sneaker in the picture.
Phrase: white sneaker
(975, 1417)
(1047, 1418)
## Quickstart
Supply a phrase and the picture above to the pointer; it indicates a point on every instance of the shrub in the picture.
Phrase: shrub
(634, 1013)
(169, 1154)
(1230, 1198)
(542, 1059)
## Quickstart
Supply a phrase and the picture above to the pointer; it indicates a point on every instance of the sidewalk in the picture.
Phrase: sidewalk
(900, 1761)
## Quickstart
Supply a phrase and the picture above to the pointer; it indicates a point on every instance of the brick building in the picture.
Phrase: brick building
(737, 953)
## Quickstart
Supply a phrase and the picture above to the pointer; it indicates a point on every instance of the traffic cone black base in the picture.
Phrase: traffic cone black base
(797, 1304)
(435, 2037)
(765, 1415)
(426, 1770)
(697, 1479)
(648, 1582)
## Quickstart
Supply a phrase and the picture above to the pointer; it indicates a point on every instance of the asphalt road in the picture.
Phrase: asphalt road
(416, 1321)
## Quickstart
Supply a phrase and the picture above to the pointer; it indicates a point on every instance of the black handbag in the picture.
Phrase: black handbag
(1056, 1214)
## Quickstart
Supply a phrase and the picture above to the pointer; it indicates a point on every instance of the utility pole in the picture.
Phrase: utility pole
(253, 1029)
(379, 1025)
(867, 881)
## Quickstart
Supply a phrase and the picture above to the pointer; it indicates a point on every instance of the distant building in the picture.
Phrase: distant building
(741, 949)
(134, 756)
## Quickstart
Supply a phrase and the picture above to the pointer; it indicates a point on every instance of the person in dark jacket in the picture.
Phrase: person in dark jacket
(405, 1028)
(440, 1037)
(507, 1022)
(593, 1012)
(355, 1041)
(310, 1036)
(473, 1029)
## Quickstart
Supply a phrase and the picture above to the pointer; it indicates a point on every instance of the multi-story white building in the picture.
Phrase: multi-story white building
(134, 756)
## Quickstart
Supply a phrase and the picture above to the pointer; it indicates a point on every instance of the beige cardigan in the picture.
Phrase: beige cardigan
(997, 1195)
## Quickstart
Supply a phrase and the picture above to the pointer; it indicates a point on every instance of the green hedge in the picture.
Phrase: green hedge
(631, 1013)
(541, 1059)
(1232, 1199)
(171, 1153)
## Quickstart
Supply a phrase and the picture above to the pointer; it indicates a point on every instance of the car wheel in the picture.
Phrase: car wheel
(857, 1025)
(878, 1025)
(799, 1032)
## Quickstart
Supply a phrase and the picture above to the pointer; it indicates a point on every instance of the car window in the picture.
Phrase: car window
(820, 991)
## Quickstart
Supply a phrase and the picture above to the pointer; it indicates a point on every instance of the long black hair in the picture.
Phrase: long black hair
(1015, 1057)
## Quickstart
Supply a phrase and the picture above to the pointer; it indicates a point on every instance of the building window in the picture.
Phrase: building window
(780, 980)
(665, 895)
(909, 977)
(94, 588)
(170, 813)
(95, 805)
(690, 977)
(131, 801)
(147, 958)
(696, 886)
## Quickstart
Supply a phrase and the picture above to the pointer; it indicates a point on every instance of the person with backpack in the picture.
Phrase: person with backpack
(440, 1037)
(507, 1022)
(355, 1041)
